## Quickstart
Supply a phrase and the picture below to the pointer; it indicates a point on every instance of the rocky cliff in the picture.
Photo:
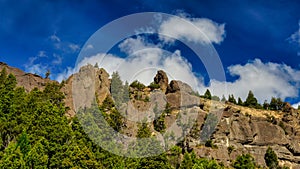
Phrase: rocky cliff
(26, 80)
(237, 129)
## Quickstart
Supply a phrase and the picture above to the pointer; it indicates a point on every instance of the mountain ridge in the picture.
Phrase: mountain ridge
(239, 127)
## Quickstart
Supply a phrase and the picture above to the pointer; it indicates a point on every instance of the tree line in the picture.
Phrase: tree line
(251, 101)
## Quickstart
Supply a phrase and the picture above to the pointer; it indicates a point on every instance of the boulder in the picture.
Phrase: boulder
(176, 85)
(161, 78)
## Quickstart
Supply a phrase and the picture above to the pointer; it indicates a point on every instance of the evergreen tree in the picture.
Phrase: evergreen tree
(245, 161)
(271, 159)
(240, 102)
(187, 162)
(223, 98)
(159, 121)
(266, 105)
(207, 94)
(116, 88)
(276, 104)
(125, 94)
(23, 143)
(47, 74)
(251, 101)
(231, 99)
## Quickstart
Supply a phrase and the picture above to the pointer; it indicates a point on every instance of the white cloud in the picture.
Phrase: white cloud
(142, 63)
(201, 30)
(264, 79)
(38, 69)
(295, 39)
(65, 74)
(89, 46)
(42, 54)
(74, 47)
(296, 105)
(55, 38)
(57, 59)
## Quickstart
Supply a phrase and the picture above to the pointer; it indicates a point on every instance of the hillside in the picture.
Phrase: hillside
(221, 131)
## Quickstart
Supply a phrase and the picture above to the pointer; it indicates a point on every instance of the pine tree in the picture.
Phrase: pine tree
(240, 102)
(245, 161)
(271, 159)
(116, 88)
(231, 99)
(251, 101)
(207, 94)
(47, 74)
(223, 98)
(187, 162)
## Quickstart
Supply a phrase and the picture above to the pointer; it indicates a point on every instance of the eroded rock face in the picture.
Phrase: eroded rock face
(247, 134)
(27, 80)
(161, 78)
(81, 88)
(102, 84)
(182, 100)
(176, 85)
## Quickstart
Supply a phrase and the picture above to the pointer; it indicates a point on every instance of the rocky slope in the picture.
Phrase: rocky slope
(26, 80)
(238, 129)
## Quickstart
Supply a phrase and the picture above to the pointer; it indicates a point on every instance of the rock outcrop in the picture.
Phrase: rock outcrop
(244, 129)
(27, 80)
(88, 85)
(161, 78)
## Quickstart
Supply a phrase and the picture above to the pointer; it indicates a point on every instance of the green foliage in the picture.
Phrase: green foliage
(266, 105)
(159, 121)
(271, 158)
(23, 143)
(251, 101)
(119, 92)
(231, 99)
(187, 162)
(174, 156)
(207, 94)
(107, 103)
(203, 163)
(153, 86)
(35, 133)
(115, 120)
(240, 102)
(143, 131)
(13, 157)
(276, 104)
(47, 74)
(245, 161)
(209, 143)
(216, 98)
(138, 85)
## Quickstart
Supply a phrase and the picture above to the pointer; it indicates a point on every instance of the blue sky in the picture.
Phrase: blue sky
(261, 35)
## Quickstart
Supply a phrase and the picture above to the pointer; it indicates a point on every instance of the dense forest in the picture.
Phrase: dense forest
(35, 133)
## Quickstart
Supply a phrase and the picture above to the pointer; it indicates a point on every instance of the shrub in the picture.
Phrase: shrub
(138, 85)
(154, 85)
(245, 161)
(209, 143)
(271, 159)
